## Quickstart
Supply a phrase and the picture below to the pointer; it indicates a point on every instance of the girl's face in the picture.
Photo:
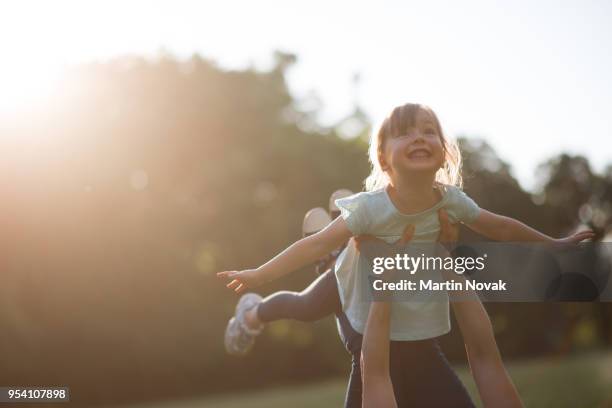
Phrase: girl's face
(418, 150)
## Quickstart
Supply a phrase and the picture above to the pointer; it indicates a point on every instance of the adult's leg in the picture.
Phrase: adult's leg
(352, 343)
(420, 373)
(437, 384)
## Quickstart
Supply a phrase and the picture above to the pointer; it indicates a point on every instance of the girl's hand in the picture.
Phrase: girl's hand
(448, 232)
(576, 238)
(241, 280)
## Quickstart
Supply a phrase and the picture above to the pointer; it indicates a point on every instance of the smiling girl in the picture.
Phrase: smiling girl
(415, 173)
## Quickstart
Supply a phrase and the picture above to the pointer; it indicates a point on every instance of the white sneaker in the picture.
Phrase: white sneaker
(239, 338)
(334, 212)
(314, 221)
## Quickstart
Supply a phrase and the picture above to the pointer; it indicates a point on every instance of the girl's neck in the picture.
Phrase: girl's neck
(413, 195)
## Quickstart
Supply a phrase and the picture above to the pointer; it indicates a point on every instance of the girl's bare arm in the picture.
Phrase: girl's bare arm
(501, 228)
(297, 255)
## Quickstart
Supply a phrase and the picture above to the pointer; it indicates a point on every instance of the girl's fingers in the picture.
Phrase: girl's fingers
(240, 288)
(584, 235)
(578, 237)
(233, 284)
(225, 274)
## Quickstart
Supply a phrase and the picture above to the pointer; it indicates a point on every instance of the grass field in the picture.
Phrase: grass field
(573, 382)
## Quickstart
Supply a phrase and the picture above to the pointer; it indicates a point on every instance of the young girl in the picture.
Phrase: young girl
(321, 299)
(415, 173)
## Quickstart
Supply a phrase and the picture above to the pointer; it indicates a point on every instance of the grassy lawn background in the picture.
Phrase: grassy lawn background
(573, 382)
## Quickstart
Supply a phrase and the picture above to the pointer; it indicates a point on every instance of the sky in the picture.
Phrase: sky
(531, 77)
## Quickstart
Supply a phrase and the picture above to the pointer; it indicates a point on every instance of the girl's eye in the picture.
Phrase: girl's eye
(430, 131)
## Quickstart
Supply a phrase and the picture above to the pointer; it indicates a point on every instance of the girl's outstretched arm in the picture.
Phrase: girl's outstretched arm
(299, 254)
(494, 384)
(376, 379)
(501, 228)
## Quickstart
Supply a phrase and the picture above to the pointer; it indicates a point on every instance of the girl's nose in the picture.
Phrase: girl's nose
(418, 137)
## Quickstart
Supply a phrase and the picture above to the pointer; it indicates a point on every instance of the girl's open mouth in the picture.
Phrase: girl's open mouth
(419, 153)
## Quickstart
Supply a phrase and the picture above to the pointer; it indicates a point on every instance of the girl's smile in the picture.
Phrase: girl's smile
(418, 148)
(418, 153)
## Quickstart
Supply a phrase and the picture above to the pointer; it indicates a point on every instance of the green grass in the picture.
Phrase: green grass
(573, 382)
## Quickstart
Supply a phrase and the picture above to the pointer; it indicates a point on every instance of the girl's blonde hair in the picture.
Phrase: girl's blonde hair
(396, 124)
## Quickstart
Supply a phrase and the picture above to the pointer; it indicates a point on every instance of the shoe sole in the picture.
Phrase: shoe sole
(241, 307)
(314, 221)
(334, 211)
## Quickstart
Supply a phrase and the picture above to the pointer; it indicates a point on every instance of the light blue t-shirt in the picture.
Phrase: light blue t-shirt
(374, 213)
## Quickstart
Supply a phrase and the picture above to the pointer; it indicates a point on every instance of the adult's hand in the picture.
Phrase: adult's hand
(362, 240)
(449, 233)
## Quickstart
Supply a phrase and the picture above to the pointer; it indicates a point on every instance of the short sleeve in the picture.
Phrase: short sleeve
(353, 210)
(462, 208)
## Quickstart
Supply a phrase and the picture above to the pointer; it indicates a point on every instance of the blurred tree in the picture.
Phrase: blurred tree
(568, 185)
(489, 180)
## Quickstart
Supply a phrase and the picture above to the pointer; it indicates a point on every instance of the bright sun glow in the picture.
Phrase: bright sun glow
(29, 64)
(479, 71)
(27, 86)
